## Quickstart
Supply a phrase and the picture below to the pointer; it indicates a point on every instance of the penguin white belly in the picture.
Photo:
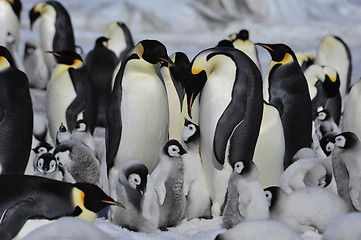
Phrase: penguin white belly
(216, 95)
(60, 94)
(117, 42)
(144, 112)
(352, 113)
(10, 23)
(47, 34)
(270, 148)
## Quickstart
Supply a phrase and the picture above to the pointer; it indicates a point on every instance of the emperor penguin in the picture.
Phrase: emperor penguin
(346, 162)
(138, 109)
(16, 116)
(32, 197)
(34, 66)
(47, 166)
(120, 38)
(332, 51)
(101, 63)
(70, 93)
(10, 16)
(168, 178)
(306, 209)
(79, 160)
(82, 133)
(342, 227)
(198, 199)
(242, 42)
(323, 85)
(135, 189)
(230, 113)
(56, 29)
(245, 196)
(305, 59)
(324, 123)
(352, 113)
(288, 92)
(260, 230)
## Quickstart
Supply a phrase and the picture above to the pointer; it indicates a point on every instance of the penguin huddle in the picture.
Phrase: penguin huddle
(152, 138)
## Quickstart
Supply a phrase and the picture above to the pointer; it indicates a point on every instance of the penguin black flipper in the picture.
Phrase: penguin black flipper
(232, 123)
(334, 105)
(63, 39)
(129, 40)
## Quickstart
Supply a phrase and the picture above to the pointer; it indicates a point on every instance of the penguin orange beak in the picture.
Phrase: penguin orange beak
(114, 203)
(264, 46)
(168, 60)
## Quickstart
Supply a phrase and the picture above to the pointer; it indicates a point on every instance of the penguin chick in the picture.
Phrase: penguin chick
(245, 196)
(62, 134)
(79, 160)
(47, 166)
(306, 209)
(198, 198)
(343, 227)
(260, 230)
(306, 172)
(324, 123)
(134, 188)
(168, 178)
(31, 197)
(82, 133)
(346, 163)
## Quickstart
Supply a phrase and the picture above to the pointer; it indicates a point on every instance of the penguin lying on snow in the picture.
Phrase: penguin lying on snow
(133, 187)
(31, 197)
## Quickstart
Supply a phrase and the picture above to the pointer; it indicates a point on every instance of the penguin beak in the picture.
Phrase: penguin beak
(265, 46)
(168, 60)
(182, 151)
(113, 203)
(33, 14)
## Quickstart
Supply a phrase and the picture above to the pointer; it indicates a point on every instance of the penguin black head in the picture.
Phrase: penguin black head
(137, 176)
(181, 64)
(94, 198)
(331, 82)
(43, 147)
(345, 140)
(34, 14)
(193, 87)
(102, 41)
(67, 57)
(279, 52)
(243, 35)
(191, 131)
(326, 143)
(173, 148)
(272, 195)
(154, 51)
(46, 163)
(6, 59)
(81, 126)
(225, 43)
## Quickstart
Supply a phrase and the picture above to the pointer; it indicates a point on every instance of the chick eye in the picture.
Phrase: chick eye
(40, 163)
(52, 166)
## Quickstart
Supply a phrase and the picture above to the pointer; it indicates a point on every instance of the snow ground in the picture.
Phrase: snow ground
(191, 26)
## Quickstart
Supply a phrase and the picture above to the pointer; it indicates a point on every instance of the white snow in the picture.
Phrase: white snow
(191, 26)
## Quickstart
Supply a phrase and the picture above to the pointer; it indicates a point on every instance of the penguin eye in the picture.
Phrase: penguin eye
(52, 166)
(40, 163)
(134, 180)
(268, 195)
(340, 141)
(238, 167)
(191, 127)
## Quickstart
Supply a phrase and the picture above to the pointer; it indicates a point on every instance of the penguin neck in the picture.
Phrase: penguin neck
(140, 66)
(4, 64)
(78, 201)
(220, 65)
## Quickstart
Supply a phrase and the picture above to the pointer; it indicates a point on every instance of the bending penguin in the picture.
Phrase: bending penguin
(134, 188)
(32, 197)
(288, 92)
(16, 116)
(138, 109)
(231, 107)
(56, 30)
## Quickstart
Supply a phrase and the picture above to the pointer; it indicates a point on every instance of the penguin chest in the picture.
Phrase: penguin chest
(10, 23)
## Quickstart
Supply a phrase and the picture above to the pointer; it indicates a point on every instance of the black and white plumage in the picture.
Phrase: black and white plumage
(168, 178)
(135, 189)
(245, 196)
(47, 166)
(352, 113)
(10, 15)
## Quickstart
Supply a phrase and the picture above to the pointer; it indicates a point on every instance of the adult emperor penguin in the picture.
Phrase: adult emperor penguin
(101, 63)
(231, 106)
(120, 38)
(32, 197)
(56, 30)
(79, 160)
(334, 52)
(168, 178)
(138, 109)
(323, 85)
(241, 42)
(16, 116)
(288, 92)
(346, 162)
(10, 11)
(47, 166)
(70, 93)
(245, 196)
(134, 188)
(198, 199)
(352, 112)
(306, 209)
